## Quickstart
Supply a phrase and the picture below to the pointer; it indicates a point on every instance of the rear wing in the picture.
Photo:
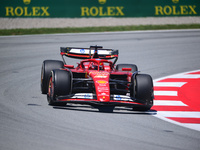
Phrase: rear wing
(89, 53)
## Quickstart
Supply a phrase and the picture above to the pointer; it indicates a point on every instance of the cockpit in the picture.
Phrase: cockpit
(96, 64)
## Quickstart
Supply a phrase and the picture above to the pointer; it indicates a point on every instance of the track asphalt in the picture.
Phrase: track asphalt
(27, 122)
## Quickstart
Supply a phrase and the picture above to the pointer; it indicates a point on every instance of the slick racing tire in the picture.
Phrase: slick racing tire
(132, 66)
(60, 83)
(47, 67)
(143, 91)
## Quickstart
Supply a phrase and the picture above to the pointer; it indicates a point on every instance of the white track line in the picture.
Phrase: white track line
(168, 103)
(169, 84)
(191, 126)
(170, 76)
(183, 114)
(186, 76)
(165, 93)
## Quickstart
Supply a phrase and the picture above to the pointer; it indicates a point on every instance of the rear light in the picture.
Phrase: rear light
(126, 69)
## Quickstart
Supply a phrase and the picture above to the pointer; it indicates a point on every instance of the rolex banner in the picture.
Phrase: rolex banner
(98, 8)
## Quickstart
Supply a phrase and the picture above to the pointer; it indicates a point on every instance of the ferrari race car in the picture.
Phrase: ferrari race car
(95, 81)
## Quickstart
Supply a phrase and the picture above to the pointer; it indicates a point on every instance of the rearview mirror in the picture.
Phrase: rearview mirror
(69, 66)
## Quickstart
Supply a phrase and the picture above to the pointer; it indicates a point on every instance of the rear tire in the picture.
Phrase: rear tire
(132, 66)
(47, 67)
(144, 91)
(60, 83)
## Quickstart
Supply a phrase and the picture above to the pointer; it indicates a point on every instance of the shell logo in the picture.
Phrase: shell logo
(102, 1)
(26, 2)
(175, 1)
(101, 81)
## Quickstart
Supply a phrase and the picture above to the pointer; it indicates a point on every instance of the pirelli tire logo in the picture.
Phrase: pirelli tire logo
(102, 11)
(27, 10)
(176, 9)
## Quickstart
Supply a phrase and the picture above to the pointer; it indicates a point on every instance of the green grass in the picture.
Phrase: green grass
(95, 29)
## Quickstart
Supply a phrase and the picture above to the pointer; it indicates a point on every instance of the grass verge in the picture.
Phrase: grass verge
(95, 29)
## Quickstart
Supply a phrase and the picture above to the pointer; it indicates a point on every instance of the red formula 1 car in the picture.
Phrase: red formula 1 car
(96, 80)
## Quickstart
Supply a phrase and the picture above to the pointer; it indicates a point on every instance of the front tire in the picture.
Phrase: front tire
(60, 83)
(143, 91)
(47, 67)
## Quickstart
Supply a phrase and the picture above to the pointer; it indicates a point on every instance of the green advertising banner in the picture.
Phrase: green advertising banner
(98, 8)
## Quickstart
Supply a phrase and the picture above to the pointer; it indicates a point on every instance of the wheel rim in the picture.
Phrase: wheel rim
(42, 77)
(50, 89)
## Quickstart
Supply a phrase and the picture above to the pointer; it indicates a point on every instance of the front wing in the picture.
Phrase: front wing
(90, 99)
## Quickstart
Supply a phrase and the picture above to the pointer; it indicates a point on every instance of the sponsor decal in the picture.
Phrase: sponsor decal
(102, 11)
(103, 94)
(87, 96)
(26, 2)
(32, 11)
(102, 1)
(98, 8)
(118, 97)
(175, 1)
(175, 9)
(101, 81)
(100, 76)
(83, 95)
(82, 51)
(102, 89)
